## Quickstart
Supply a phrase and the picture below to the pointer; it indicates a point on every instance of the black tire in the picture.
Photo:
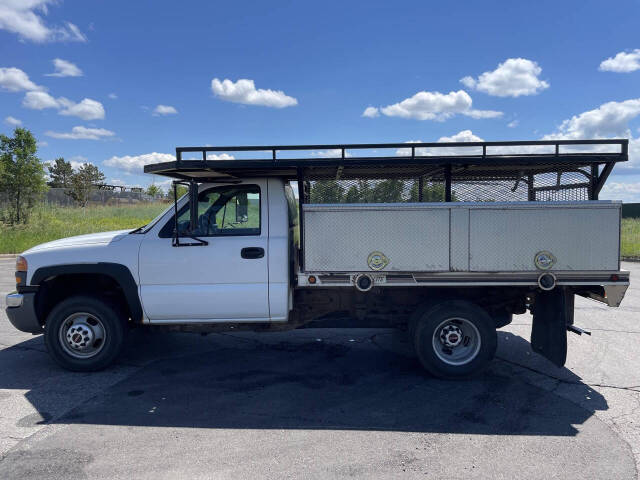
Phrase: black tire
(112, 326)
(447, 319)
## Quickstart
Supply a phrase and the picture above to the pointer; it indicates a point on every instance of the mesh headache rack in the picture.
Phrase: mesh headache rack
(547, 170)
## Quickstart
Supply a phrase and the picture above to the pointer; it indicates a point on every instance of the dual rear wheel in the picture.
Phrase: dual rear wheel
(453, 339)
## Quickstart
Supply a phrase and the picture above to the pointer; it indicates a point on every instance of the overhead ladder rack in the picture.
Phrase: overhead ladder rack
(471, 171)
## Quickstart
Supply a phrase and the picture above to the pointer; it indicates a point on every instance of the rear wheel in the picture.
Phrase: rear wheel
(454, 339)
(84, 333)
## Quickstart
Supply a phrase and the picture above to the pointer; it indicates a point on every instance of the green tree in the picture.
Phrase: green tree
(154, 190)
(431, 192)
(326, 191)
(61, 173)
(388, 191)
(87, 178)
(23, 177)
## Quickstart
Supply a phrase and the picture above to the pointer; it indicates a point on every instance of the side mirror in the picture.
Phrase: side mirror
(242, 208)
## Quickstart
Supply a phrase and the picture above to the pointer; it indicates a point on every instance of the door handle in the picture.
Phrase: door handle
(252, 252)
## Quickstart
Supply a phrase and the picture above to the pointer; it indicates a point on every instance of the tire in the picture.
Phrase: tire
(454, 339)
(84, 334)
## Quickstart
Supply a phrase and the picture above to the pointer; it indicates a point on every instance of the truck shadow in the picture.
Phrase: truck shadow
(301, 383)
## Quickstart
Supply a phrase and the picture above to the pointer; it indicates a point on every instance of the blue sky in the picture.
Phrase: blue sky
(133, 80)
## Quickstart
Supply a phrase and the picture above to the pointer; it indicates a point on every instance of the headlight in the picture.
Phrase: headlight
(21, 264)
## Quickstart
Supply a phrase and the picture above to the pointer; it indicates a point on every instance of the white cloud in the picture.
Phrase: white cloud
(623, 62)
(436, 106)
(64, 68)
(12, 121)
(462, 136)
(82, 133)
(221, 156)
(627, 192)
(39, 101)
(25, 18)
(513, 123)
(77, 161)
(136, 163)
(244, 91)
(87, 109)
(608, 120)
(512, 78)
(112, 96)
(15, 80)
(332, 153)
(164, 110)
(371, 112)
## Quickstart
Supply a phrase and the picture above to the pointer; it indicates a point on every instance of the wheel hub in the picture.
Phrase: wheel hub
(451, 336)
(80, 336)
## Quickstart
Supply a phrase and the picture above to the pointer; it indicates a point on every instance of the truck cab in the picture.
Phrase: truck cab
(271, 244)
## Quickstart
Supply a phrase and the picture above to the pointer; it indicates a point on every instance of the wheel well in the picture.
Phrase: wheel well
(57, 288)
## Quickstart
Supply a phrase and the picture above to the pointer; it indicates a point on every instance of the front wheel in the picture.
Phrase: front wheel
(84, 334)
(454, 339)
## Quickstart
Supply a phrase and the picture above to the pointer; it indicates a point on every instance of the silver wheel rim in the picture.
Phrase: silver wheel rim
(456, 341)
(82, 335)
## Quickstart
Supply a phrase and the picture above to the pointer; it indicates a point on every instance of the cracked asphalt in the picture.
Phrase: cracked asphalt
(324, 403)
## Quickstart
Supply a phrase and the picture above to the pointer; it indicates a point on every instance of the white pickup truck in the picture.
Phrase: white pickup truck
(444, 241)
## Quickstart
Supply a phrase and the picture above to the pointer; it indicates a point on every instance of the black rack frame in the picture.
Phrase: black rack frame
(206, 170)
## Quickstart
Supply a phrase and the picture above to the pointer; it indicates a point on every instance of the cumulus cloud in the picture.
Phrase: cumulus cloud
(162, 110)
(26, 19)
(627, 192)
(39, 101)
(82, 133)
(462, 136)
(513, 123)
(14, 122)
(609, 120)
(15, 80)
(436, 106)
(244, 91)
(87, 109)
(371, 112)
(64, 68)
(136, 163)
(219, 156)
(512, 78)
(623, 62)
(332, 153)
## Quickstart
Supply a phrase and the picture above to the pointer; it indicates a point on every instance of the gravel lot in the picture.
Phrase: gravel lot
(324, 403)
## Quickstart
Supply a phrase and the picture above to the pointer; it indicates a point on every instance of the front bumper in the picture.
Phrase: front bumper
(22, 312)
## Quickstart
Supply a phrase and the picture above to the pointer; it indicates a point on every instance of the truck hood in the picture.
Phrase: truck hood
(89, 239)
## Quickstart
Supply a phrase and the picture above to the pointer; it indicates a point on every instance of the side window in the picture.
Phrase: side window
(294, 217)
(229, 210)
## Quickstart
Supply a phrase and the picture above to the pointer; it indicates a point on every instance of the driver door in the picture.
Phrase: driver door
(226, 280)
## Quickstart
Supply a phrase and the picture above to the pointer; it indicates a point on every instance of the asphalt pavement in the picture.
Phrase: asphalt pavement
(324, 403)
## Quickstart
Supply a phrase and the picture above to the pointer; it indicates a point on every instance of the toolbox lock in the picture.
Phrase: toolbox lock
(547, 281)
(363, 282)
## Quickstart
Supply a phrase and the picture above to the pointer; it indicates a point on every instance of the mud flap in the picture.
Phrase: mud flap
(552, 312)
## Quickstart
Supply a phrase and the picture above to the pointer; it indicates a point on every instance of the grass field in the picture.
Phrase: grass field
(51, 223)
(630, 238)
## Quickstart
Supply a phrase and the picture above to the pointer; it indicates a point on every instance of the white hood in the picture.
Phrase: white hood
(89, 239)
